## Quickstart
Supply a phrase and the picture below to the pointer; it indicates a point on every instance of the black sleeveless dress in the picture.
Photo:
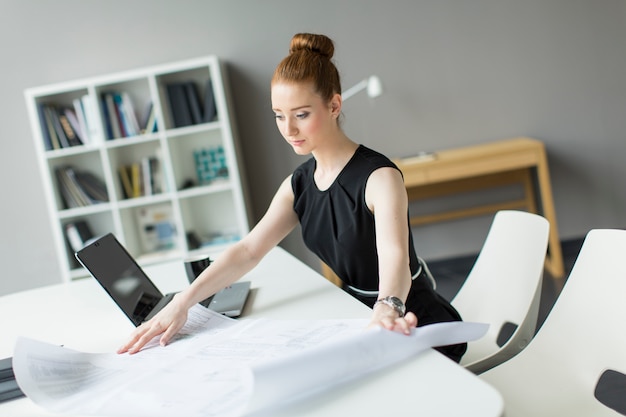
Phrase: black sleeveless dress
(339, 228)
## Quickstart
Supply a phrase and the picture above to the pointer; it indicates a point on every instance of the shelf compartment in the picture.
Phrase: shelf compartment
(185, 149)
(70, 197)
(151, 229)
(98, 224)
(66, 120)
(127, 108)
(188, 97)
(211, 219)
(138, 168)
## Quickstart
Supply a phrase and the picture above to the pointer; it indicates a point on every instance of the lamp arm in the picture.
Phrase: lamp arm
(354, 89)
(372, 83)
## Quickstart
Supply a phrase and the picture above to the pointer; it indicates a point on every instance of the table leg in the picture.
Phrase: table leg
(554, 260)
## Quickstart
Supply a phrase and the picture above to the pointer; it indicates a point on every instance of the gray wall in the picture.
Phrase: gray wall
(455, 72)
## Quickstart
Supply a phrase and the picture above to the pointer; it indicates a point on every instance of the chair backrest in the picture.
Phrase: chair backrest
(504, 288)
(582, 337)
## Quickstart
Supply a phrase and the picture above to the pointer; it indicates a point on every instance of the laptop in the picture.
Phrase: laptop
(132, 290)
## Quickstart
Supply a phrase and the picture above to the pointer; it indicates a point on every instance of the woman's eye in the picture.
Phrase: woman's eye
(302, 115)
(279, 116)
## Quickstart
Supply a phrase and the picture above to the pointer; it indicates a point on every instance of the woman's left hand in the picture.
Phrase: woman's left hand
(388, 319)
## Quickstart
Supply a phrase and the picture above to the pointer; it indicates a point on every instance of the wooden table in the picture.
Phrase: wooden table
(519, 160)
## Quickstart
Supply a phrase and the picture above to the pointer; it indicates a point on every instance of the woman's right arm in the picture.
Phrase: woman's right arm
(232, 264)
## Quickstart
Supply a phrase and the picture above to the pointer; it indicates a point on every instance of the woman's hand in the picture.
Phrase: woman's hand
(387, 318)
(166, 323)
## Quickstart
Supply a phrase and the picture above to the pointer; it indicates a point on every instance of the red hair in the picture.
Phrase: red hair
(310, 61)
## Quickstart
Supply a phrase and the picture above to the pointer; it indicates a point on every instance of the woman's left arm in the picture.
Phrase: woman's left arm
(386, 197)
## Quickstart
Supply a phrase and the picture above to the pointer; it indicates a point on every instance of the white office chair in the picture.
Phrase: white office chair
(504, 288)
(582, 341)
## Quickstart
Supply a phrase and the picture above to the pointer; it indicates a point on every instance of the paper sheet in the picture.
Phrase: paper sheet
(222, 368)
(305, 373)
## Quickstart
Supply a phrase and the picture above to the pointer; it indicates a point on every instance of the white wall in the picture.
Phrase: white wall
(455, 72)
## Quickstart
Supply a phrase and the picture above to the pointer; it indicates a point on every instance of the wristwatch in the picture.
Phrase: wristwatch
(393, 302)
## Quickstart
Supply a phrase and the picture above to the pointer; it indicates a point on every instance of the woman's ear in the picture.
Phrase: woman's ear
(335, 105)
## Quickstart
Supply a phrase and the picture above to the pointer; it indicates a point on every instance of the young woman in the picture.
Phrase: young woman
(350, 201)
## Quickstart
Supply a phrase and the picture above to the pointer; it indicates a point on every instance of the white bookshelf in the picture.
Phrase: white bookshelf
(214, 209)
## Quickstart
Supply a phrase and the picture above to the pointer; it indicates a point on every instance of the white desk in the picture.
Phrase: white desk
(81, 316)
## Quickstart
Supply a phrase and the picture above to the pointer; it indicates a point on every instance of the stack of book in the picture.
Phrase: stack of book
(187, 107)
(8, 386)
(64, 126)
(80, 188)
(120, 117)
(142, 178)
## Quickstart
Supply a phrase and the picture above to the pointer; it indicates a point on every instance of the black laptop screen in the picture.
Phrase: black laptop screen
(118, 273)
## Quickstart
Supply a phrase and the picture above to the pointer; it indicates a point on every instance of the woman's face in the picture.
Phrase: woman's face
(304, 119)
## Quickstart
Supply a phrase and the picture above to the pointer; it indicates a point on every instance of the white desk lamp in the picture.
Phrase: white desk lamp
(372, 84)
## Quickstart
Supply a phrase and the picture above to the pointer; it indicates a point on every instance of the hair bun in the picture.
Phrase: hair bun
(319, 44)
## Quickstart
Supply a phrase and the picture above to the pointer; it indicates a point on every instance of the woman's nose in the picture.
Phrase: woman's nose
(290, 128)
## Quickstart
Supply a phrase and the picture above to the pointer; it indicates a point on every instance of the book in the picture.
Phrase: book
(58, 129)
(9, 390)
(129, 114)
(142, 178)
(78, 233)
(148, 124)
(8, 385)
(92, 186)
(6, 369)
(210, 111)
(91, 117)
(45, 133)
(69, 192)
(157, 175)
(112, 122)
(68, 130)
(123, 123)
(135, 179)
(75, 124)
(66, 197)
(178, 104)
(76, 188)
(127, 185)
(146, 176)
(81, 119)
(126, 116)
(80, 188)
(56, 144)
(106, 119)
(193, 101)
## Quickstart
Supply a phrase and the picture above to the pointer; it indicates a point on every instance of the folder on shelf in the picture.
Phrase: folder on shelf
(178, 104)
(210, 111)
(194, 102)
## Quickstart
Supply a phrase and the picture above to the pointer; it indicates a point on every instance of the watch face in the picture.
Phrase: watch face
(396, 301)
(398, 305)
